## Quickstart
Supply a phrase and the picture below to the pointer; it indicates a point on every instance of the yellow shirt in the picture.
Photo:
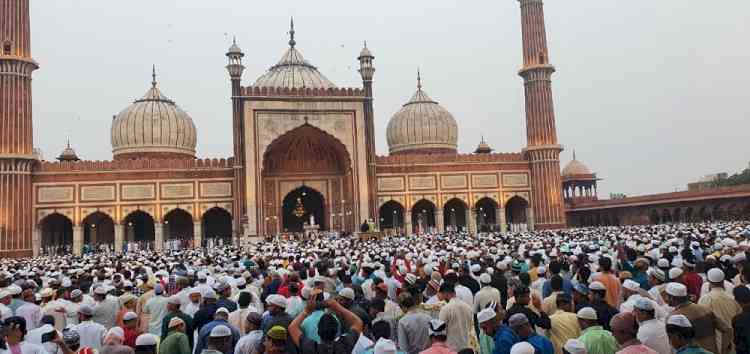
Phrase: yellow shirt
(564, 326)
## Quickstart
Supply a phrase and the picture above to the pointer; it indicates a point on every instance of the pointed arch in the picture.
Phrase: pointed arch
(486, 212)
(56, 233)
(391, 214)
(454, 214)
(423, 216)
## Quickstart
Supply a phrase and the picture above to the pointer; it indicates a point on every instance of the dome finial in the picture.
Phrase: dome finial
(419, 80)
(365, 44)
(234, 39)
(292, 42)
(153, 76)
(574, 154)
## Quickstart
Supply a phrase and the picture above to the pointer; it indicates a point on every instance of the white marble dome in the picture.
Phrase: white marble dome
(293, 71)
(422, 126)
(153, 127)
(575, 168)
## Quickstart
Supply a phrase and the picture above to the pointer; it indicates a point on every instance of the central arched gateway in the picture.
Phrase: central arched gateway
(302, 206)
(308, 170)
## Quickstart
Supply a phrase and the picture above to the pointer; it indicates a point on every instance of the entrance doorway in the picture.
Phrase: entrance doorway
(423, 216)
(56, 234)
(515, 214)
(454, 215)
(139, 227)
(391, 216)
(217, 224)
(301, 206)
(98, 229)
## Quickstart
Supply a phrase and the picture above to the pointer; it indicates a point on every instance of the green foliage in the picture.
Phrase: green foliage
(735, 179)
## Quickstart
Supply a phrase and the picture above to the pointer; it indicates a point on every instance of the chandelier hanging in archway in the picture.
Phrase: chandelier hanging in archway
(299, 209)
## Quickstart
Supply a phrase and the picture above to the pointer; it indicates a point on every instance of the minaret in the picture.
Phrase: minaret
(367, 71)
(542, 150)
(16, 135)
(235, 69)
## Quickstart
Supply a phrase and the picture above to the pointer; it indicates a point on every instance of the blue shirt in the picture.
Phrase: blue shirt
(504, 340)
(692, 349)
(202, 342)
(567, 287)
(541, 345)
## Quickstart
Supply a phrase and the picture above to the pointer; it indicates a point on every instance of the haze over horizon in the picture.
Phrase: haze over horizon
(648, 94)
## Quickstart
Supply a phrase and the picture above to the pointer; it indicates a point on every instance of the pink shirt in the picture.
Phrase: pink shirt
(438, 348)
(636, 349)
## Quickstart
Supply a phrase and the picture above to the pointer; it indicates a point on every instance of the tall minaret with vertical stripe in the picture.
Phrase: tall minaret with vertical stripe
(16, 144)
(542, 150)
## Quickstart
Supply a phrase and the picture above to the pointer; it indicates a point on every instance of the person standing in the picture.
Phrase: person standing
(413, 334)
(173, 311)
(741, 322)
(564, 323)
(624, 330)
(252, 342)
(705, 323)
(721, 304)
(487, 294)
(438, 339)
(459, 318)
(682, 335)
(651, 331)
(175, 341)
(610, 282)
(91, 333)
(520, 324)
(596, 339)
(156, 309)
(491, 323)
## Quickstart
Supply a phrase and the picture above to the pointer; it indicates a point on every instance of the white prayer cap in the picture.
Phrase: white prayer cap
(410, 278)
(715, 275)
(223, 309)
(209, 294)
(384, 346)
(437, 328)
(486, 315)
(676, 289)
(194, 290)
(277, 300)
(518, 320)
(347, 293)
(597, 285)
(14, 289)
(675, 273)
(175, 321)
(522, 348)
(485, 278)
(662, 263)
(679, 321)
(587, 313)
(644, 304)
(631, 285)
(116, 331)
(145, 339)
(574, 346)
(129, 316)
(475, 268)
(174, 300)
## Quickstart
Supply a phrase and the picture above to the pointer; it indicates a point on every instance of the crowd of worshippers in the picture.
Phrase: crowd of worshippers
(678, 288)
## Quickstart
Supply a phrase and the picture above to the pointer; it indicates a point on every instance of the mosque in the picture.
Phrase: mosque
(303, 159)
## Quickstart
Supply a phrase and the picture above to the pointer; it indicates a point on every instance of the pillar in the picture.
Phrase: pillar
(500, 217)
(36, 241)
(197, 234)
(530, 218)
(439, 220)
(119, 237)
(407, 223)
(158, 236)
(471, 220)
(16, 136)
(77, 240)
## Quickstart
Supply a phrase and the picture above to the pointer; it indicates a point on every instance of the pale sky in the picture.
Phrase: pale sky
(651, 94)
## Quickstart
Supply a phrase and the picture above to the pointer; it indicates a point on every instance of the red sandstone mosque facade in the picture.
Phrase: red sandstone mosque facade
(304, 154)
